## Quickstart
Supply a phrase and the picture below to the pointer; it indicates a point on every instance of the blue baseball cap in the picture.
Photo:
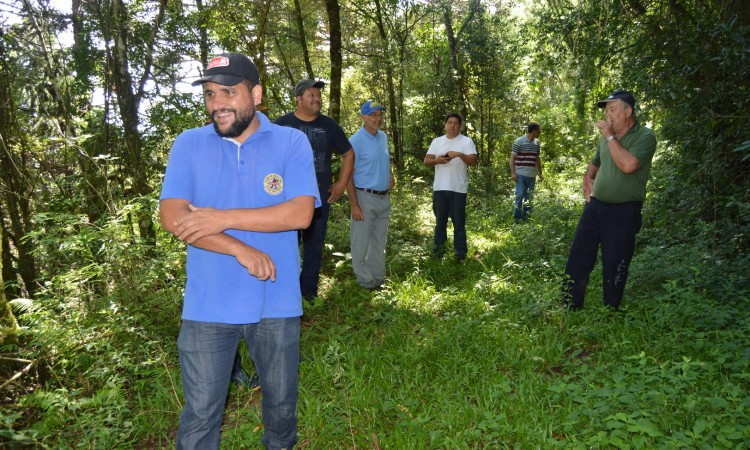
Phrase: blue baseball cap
(370, 106)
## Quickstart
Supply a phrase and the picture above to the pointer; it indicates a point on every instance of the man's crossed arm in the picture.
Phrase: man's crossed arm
(204, 228)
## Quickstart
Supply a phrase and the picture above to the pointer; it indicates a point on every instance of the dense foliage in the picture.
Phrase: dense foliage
(447, 356)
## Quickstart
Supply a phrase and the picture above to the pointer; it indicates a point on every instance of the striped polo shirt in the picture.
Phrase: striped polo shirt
(527, 155)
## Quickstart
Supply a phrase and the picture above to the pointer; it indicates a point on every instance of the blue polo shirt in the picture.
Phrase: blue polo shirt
(372, 168)
(273, 165)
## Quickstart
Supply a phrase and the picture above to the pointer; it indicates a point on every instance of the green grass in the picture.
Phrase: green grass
(449, 355)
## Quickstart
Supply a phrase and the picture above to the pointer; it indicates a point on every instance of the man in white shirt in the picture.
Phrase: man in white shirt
(450, 155)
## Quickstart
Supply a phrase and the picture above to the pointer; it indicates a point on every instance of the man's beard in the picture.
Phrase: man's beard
(240, 124)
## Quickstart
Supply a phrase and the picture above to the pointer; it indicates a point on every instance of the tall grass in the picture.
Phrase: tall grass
(448, 355)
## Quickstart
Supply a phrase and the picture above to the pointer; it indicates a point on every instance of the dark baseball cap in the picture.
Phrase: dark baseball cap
(625, 96)
(229, 69)
(304, 84)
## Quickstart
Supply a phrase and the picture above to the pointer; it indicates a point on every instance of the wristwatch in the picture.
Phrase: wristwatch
(611, 137)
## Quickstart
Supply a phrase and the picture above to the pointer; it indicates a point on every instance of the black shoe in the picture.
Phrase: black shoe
(254, 383)
(240, 378)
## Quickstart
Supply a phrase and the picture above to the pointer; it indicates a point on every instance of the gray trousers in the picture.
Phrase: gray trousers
(368, 239)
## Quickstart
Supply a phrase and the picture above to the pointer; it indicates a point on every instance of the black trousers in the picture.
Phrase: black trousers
(614, 227)
(313, 240)
(451, 204)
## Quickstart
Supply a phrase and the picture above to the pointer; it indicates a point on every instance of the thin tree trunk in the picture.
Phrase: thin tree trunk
(95, 186)
(457, 71)
(334, 29)
(260, 40)
(7, 319)
(303, 40)
(129, 96)
(394, 133)
(455, 79)
(202, 32)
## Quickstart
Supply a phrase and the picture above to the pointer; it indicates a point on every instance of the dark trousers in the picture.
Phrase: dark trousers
(313, 238)
(614, 227)
(451, 204)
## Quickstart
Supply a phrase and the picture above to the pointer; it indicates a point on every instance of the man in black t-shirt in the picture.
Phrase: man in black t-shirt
(326, 137)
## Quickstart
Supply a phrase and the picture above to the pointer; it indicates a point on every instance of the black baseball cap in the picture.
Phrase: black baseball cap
(304, 84)
(229, 69)
(620, 94)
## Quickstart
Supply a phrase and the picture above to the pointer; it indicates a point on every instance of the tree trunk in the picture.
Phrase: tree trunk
(457, 71)
(202, 32)
(385, 40)
(94, 182)
(16, 186)
(303, 40)
(129, 96)
(260, 41)
(7, 273)
(7, 319)
(455, 79)
(334, 29)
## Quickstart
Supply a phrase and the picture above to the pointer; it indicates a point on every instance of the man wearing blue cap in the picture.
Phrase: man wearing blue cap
(614, 186)
(236, 191)
(326, 137)
(369, 196)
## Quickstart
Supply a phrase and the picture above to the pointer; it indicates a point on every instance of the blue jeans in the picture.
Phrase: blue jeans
(451, 204)
(524, 193)
(614, 227)
(313, 238)
(207, 352)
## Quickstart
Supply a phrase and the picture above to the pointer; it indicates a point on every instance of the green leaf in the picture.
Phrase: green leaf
(698, 427)
(744, 147)
(644, 426)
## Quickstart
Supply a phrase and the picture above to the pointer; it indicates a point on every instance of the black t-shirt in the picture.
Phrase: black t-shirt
(325, 136)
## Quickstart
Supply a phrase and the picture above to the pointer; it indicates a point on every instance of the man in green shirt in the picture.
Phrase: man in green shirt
(614, 186)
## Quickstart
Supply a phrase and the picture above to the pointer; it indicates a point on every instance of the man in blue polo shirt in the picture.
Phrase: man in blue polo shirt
(236, 191)
(369, 197)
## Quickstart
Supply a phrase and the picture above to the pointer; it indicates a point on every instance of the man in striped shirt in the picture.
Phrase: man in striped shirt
(525, 165)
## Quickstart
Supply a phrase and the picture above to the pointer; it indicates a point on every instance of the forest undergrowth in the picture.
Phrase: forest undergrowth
(448, 355)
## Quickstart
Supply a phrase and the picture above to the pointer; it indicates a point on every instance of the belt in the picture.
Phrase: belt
(372, 191)
(632, 202)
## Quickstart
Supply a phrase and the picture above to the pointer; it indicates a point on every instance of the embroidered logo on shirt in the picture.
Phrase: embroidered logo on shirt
(273, 184)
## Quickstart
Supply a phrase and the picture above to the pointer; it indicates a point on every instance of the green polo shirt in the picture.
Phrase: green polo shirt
(612, 185)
